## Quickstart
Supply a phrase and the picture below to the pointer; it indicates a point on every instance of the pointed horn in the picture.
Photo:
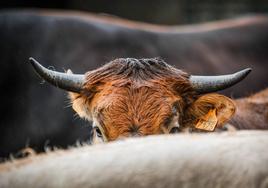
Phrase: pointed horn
(206, 84)
(69, 82)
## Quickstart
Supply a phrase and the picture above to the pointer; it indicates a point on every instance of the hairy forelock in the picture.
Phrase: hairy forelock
(136, 70)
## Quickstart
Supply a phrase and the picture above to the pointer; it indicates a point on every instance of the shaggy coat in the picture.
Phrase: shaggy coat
(138, 97)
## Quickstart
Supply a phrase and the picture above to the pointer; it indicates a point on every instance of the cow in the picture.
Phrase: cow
(228, 159)
(84, 41)
(137, 97)
(251, 112)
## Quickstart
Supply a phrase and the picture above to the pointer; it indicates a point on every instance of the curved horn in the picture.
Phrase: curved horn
(69, 82)
(206, 84)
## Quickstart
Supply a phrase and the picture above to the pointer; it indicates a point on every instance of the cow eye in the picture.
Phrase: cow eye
(167, 121)
(98, 131)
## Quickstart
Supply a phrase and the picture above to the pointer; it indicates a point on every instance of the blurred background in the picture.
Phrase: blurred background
(35, 114)
(153, 11)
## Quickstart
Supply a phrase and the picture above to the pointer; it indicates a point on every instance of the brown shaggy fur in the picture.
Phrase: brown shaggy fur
(132, 97)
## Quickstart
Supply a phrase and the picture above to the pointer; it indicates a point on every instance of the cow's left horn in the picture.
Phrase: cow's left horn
(206, 84)
(69, 82)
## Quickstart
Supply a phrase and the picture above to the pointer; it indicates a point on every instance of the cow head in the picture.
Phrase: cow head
(135, 97)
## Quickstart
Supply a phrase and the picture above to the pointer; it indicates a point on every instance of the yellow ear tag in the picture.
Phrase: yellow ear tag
(208, 122)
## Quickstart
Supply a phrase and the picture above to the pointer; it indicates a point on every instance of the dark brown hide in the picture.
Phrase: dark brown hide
(252, 112)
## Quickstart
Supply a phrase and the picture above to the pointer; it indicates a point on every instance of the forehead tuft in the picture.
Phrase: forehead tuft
(132, 69)
(125, 79)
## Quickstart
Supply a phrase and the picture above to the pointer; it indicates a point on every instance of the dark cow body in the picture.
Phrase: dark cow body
(36, 114)
(252, 112)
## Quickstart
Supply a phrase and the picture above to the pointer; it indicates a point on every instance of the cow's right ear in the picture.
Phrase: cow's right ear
(80, 103)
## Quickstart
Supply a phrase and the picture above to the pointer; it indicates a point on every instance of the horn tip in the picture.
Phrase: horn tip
(32, 61)
(246, 71)
(35, 65)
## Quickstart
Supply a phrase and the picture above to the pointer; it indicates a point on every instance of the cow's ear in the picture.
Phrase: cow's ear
(72, 95)
(79, 103)
(209, 111)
